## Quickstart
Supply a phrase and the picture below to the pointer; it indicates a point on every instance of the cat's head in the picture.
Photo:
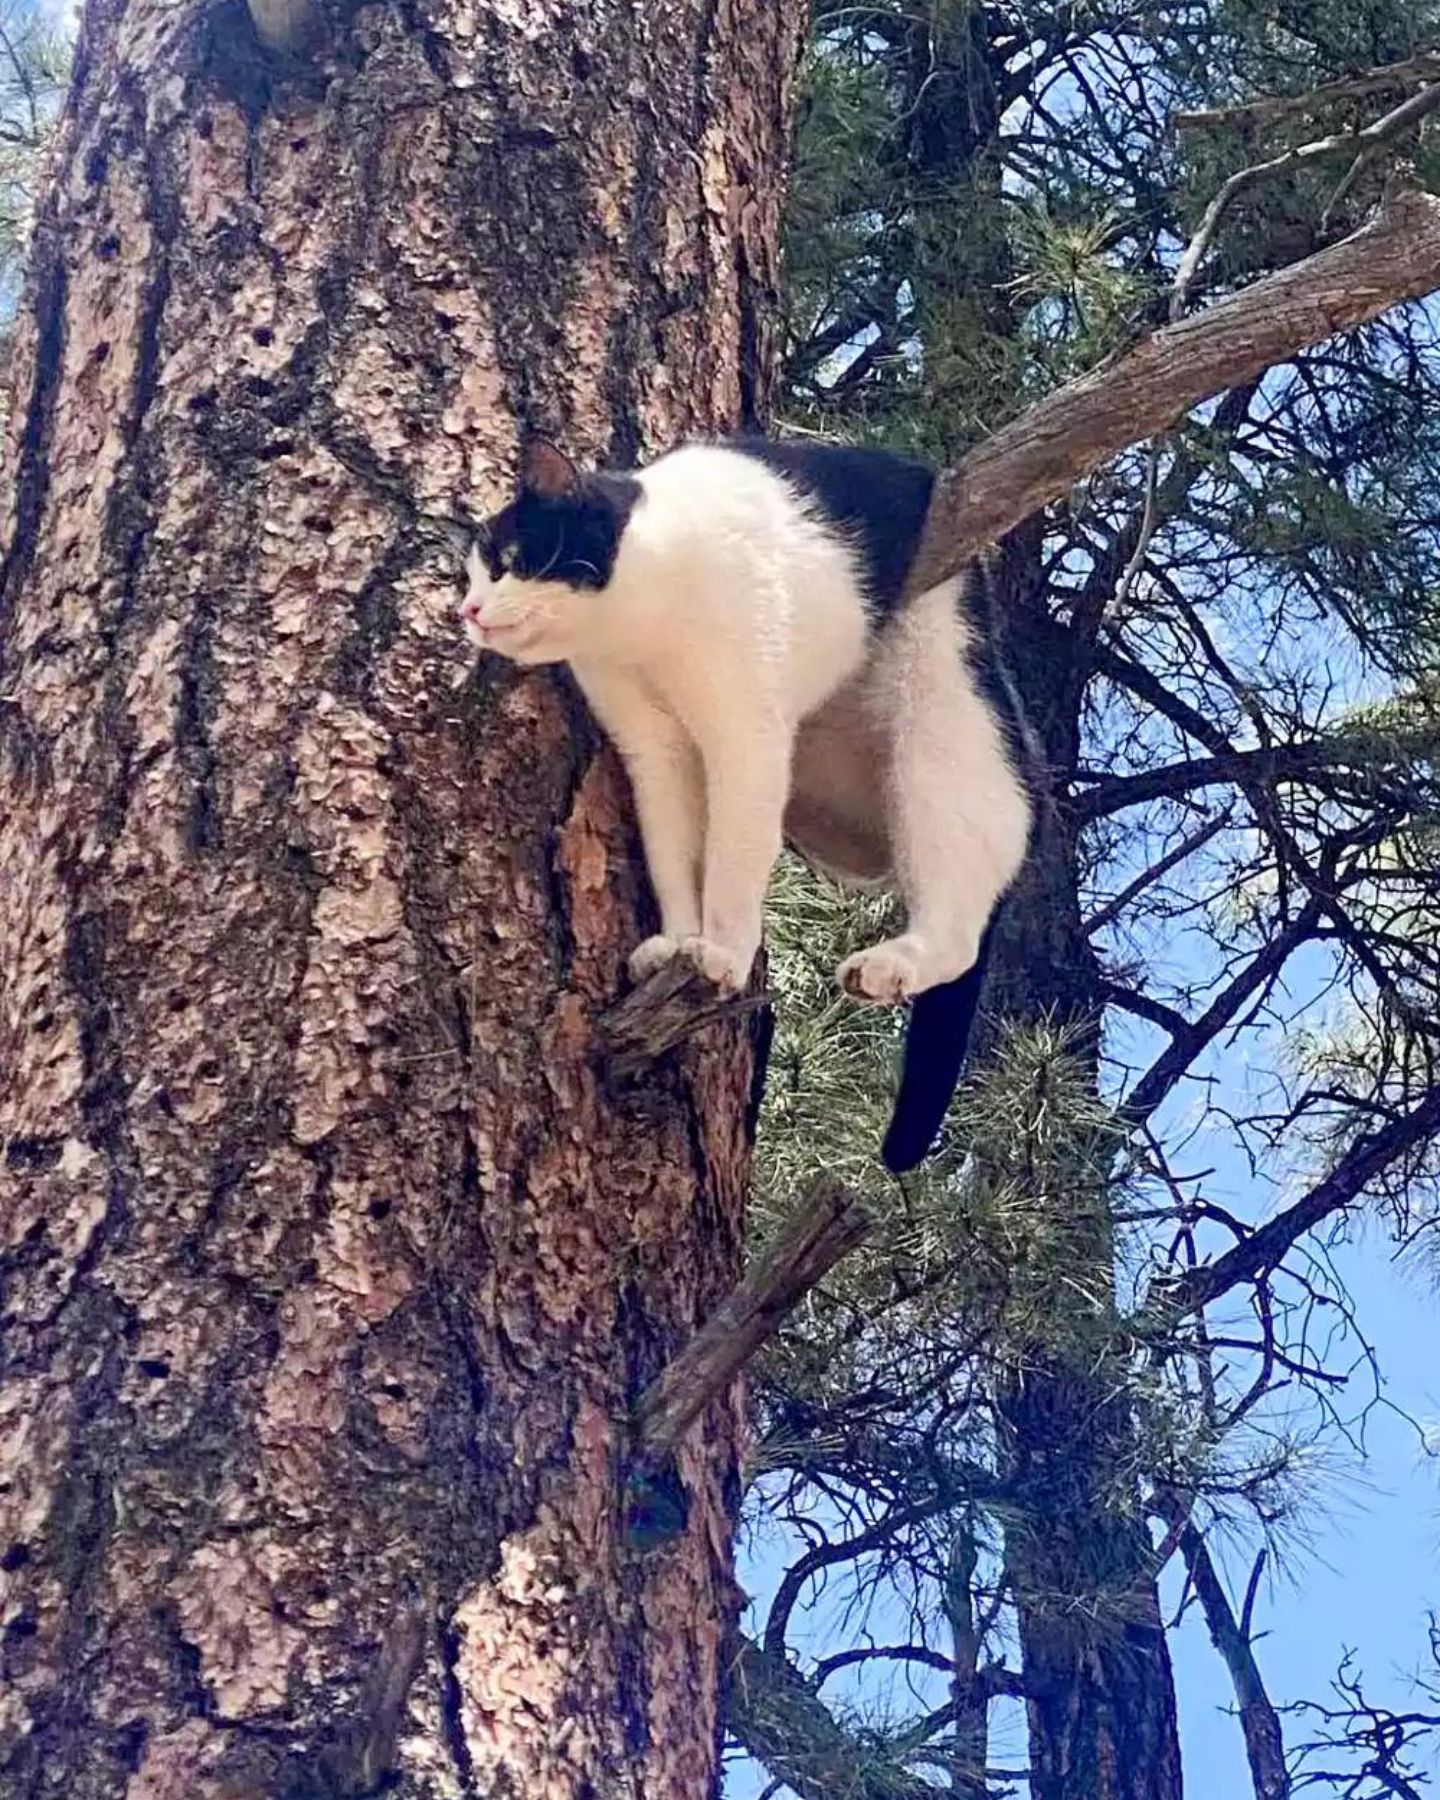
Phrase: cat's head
(538, 568)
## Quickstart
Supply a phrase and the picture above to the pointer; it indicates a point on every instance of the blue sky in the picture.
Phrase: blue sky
(1358, 1573)
(1365, 1580)
(1368, 1577)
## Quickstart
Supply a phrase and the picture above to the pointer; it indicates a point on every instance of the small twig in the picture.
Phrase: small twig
(1252, 1588)
(1411, 73)
(830, 1223)
(665, 1009)
(1360, 144)
(1149, 519)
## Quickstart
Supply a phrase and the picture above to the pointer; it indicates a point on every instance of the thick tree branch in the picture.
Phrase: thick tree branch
(1037, 458)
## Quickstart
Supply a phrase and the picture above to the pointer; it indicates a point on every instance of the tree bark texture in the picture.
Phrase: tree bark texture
(333, 1259)
(1099, 1686)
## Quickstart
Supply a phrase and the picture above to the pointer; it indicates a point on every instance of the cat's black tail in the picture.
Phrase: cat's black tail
(935, 1043)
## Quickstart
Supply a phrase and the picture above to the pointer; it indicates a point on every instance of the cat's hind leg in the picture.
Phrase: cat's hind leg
(958, 812)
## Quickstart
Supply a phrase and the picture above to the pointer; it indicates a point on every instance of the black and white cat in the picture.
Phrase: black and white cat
(734, 614)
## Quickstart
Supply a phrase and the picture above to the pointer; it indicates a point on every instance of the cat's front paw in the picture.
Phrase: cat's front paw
(652, 954)
(886, 974)
(727, 969)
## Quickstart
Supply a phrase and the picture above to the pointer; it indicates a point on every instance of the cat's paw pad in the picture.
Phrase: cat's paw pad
(652, 954)
(885, 974)
(723, 967)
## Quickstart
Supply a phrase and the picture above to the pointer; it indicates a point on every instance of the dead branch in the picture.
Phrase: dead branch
(830, 1223)
(1041, 455)
(1259, 1720)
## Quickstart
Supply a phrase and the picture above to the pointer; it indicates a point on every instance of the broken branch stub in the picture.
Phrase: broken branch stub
(829, 1224)
(661, 1012)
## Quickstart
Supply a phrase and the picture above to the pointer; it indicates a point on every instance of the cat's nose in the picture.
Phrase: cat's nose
(470, 612)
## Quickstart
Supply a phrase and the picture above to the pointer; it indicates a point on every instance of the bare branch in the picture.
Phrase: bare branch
(1369, 1156)
(1145, 1006)
(1043, 453)
(1264, 1741)
(910, 1653)
(1359, 144)
(1282, 762)
(839, 1550)
(1187, 1044)
(1196, 840)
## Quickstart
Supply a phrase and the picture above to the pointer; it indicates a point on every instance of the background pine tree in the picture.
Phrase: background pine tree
(987, 1435)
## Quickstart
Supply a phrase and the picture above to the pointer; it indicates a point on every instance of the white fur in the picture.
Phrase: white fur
(731, 661)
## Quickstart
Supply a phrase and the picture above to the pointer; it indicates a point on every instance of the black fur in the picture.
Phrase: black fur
(936, 1039)
(876, 499)
(992, 677)
(572, 538)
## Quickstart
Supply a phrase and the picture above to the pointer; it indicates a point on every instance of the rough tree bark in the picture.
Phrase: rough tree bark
(332, 1259)
(1099, 1688)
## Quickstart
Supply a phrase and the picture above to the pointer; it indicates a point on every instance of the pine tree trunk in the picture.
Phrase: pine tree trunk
(1099, 1686)
(333, 1260)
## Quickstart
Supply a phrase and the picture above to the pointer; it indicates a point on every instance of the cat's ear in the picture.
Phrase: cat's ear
(546, 471)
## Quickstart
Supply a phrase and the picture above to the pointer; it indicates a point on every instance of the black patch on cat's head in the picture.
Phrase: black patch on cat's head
(563, 525)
